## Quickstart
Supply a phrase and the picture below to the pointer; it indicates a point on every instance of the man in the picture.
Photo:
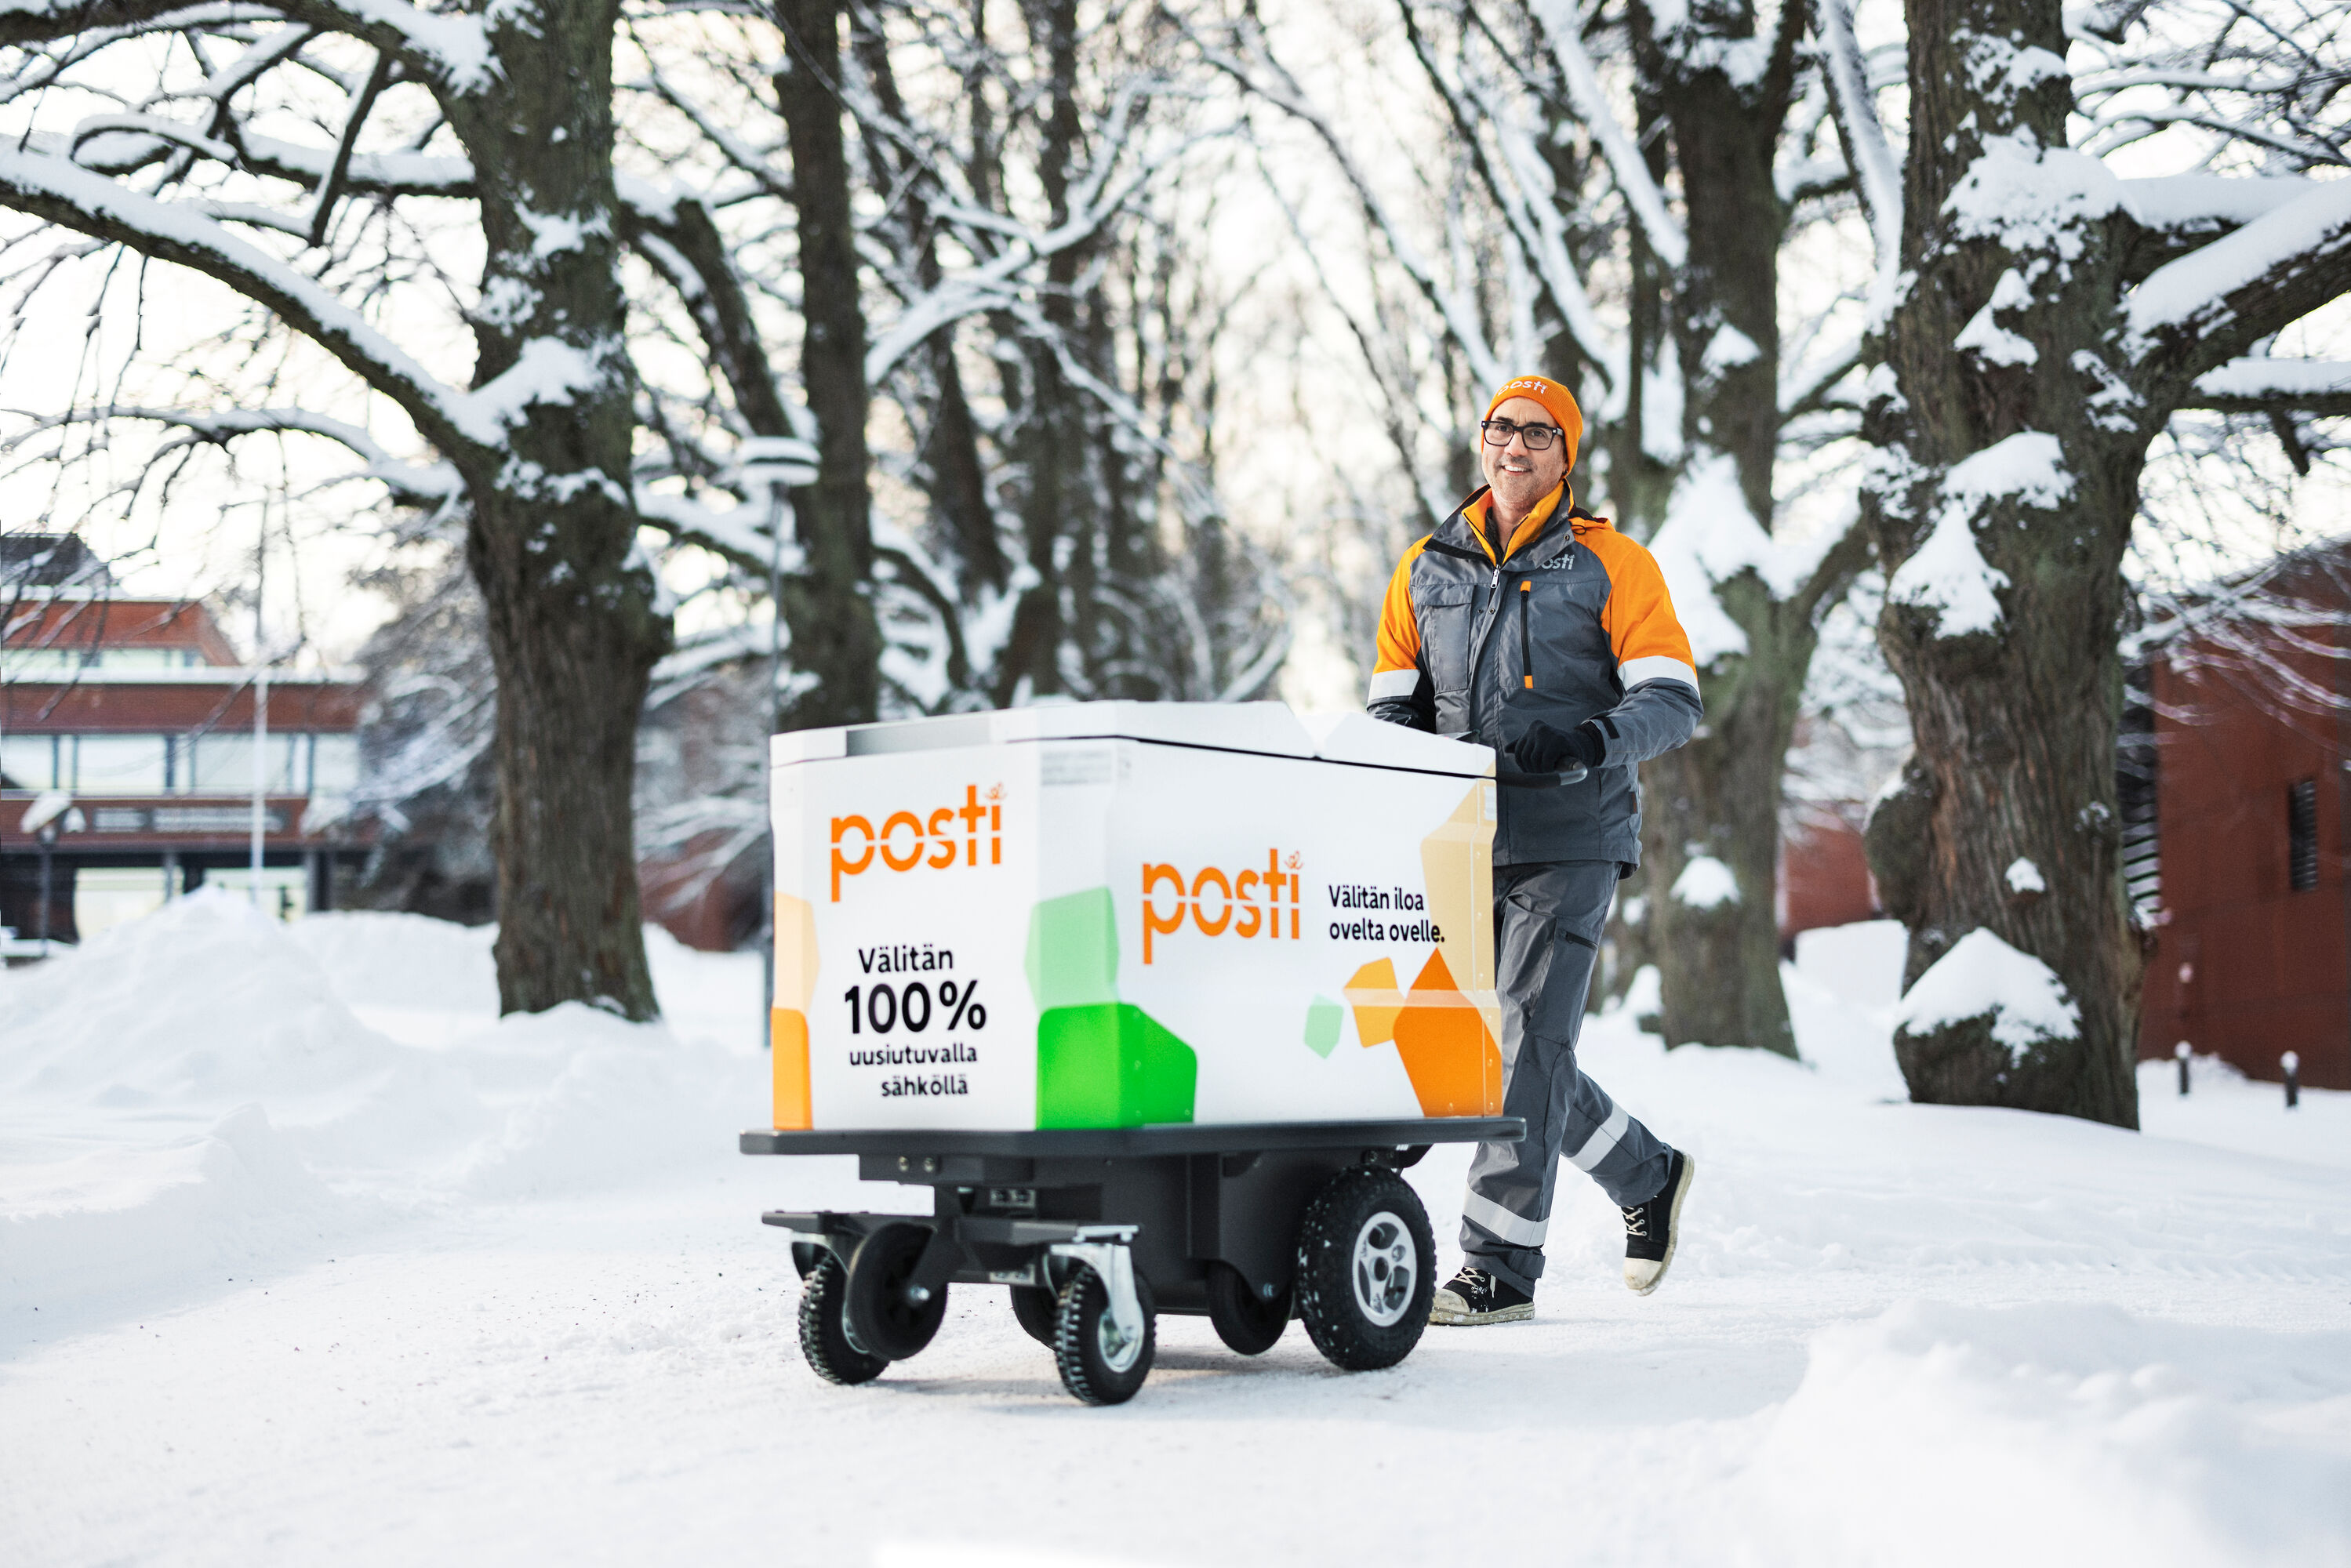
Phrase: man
(1530, 626)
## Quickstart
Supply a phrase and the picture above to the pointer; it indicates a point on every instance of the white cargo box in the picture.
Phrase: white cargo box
(1110, 915)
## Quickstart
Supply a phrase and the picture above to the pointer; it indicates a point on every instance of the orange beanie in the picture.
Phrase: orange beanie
(1557, 401)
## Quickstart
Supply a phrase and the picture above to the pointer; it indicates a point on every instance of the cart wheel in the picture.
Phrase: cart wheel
(1038, 1310)
(1097, 1364)
(832, 1353)
(1364, 1256)
(1248, 1322)
(886, 1321)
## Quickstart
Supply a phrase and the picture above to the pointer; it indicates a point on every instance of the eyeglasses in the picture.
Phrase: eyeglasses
(1499, 431)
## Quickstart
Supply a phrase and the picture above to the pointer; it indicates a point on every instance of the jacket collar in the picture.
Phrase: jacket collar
(1532, 527)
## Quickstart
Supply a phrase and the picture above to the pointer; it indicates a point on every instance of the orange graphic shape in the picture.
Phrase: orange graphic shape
(796, 953)
(1451, 1058)
(787, 1037)
(1372, 994)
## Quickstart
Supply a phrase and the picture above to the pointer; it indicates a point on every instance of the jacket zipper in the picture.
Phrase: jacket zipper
(1526, 646)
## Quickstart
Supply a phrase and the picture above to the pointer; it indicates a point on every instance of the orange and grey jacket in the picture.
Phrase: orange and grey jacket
(1574, 622)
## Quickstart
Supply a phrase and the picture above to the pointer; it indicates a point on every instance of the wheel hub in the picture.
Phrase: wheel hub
(1385, 1268)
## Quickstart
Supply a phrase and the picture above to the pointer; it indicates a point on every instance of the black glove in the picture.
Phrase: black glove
(1543, 749)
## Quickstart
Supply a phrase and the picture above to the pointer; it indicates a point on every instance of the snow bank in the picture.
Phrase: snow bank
(1861, 963)
(1982, 977)
(2061, 1434)
(199, 1091)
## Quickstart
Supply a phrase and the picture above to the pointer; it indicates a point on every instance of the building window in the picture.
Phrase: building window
(28, 761)
(336, 766)
(224, 763)
(2302, 835)
(119, 764)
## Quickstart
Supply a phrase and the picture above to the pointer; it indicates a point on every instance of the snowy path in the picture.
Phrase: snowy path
(1895, 1335)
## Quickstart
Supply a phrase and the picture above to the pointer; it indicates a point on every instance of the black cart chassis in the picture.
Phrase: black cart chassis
(1200, 1215)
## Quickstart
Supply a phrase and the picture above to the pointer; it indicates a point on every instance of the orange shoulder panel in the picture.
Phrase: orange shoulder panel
(1399, 637)
(1639, 616)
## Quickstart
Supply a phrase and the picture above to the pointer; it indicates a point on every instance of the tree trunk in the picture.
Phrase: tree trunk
(1719, 796)
(1717, 949)
(572, 620)
(2014, 686)
(835, 637)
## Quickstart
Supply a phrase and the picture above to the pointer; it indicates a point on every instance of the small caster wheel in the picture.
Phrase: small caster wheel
(1099, 1365)
(1040, 1311)
(1364, 1268)
(833, 1353)
(1250, 1324)
(888, 1320)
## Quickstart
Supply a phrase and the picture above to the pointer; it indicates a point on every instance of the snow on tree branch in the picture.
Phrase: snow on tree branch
(2276, 268)
(78, 199)
(1562, 32)
(1877, 172)
(2265, 385)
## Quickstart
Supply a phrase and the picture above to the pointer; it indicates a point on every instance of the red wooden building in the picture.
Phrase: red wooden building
(127, 737)
(2252, 730)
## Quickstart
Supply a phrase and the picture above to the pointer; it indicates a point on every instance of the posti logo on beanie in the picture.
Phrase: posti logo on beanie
(949, 836)
(1556, 400)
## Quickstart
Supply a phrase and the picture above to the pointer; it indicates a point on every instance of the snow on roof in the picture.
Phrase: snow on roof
(1982, 977)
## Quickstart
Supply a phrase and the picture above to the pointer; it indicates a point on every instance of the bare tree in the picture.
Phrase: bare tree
(188, 162)
(2048, 322)
(1667, 312)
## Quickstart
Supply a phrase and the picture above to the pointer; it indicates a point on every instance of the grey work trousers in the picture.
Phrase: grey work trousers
(1548, 919)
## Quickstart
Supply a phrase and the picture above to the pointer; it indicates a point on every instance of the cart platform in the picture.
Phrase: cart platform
(1095, 1230)
(1128, 1142)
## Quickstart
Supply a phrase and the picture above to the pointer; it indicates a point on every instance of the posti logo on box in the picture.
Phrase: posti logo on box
(1213, 902)
(941, 839)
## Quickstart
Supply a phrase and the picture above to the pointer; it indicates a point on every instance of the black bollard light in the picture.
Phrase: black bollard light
(2292, 1065)
(2181, 1051)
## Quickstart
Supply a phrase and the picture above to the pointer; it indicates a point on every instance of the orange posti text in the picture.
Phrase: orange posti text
(940, 839)
(1218, 902)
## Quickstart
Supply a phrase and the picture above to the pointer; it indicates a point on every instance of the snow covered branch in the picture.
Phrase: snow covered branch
(78, 199)
(2264, 385)
(1562, 34)
(2216, 302)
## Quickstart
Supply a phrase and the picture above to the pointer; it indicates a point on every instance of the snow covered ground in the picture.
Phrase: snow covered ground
(306, 1257)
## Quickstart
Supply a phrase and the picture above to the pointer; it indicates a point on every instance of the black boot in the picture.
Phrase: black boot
(1651, 1228)
(1477, 1297)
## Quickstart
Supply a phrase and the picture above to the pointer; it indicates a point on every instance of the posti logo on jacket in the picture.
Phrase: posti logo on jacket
(907, 840)
(1218, 902)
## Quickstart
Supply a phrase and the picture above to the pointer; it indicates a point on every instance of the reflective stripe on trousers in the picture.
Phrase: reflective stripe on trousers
(1547, 920)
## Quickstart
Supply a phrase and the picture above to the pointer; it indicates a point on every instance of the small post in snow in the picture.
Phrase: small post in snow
(2292, 1062)
(2181, 1051)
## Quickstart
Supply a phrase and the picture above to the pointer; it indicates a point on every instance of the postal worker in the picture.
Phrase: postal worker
(1529, 625)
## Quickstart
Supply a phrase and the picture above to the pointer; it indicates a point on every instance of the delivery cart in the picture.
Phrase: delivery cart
(1158, 999)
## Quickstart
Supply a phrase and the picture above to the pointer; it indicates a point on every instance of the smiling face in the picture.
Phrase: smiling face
(1519, 477)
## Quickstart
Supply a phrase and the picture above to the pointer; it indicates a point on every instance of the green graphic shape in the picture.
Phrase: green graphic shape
(1111, 1065)
(1321, 1026)
(1101, 1062)
(1073, 959)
